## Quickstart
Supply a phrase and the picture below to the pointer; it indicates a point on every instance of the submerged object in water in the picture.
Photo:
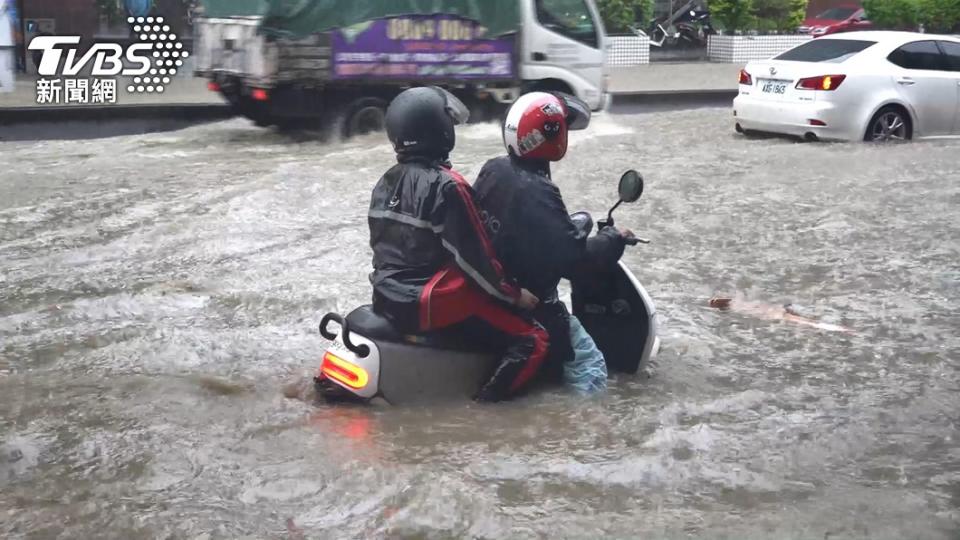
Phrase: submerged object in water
(770, 312)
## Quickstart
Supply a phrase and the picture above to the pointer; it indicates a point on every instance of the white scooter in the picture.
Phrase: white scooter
(370, 359)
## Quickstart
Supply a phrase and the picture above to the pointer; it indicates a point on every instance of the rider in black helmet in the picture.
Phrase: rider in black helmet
(421, 121)
(434, 266)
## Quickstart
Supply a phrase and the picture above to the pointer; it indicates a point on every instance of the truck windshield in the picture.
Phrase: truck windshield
(570, 18)
(833, 51)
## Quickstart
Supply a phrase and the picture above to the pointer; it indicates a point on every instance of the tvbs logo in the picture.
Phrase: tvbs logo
(151, 61)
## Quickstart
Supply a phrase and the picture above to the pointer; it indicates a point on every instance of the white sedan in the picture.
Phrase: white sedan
(873, 86)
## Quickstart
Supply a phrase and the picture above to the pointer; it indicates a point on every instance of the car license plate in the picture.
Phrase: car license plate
(773, 86)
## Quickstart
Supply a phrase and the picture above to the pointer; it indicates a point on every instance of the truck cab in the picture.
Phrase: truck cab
(564, 45)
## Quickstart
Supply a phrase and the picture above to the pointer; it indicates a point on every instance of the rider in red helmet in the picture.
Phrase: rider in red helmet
(525, 216)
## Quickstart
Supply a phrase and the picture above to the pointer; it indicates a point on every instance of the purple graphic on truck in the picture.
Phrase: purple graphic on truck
(421, 47)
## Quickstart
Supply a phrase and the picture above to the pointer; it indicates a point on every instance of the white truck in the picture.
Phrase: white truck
(337, 63)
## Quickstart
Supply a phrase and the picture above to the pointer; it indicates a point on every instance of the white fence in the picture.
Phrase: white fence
(742, 49)
(628, 51)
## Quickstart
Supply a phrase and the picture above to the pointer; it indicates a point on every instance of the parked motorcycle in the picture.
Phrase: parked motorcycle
(688, 27)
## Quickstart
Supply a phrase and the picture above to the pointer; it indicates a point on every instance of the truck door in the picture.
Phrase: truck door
(564, 39)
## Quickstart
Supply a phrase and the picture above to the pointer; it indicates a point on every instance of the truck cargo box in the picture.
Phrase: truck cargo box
(300, 19)
(372, 42)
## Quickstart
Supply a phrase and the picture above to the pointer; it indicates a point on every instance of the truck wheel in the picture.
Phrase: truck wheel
(291, 124)
(251, 110)
(486, 110)
(365, 115)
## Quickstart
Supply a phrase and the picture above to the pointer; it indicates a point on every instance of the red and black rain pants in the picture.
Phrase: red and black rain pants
(450, 298)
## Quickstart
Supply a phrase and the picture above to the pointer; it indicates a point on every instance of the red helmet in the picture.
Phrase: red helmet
(537, 123)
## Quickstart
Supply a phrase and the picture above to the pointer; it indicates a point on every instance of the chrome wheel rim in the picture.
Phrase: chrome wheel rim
(888, 127)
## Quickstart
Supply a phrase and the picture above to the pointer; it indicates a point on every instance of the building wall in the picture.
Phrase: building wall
(80, 17)
(175, 14)
(74, 17)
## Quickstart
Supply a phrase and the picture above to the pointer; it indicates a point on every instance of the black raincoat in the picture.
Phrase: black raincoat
(422, 218)
(537, 242)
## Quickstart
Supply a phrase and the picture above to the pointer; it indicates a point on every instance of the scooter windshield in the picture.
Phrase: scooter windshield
(454, 107)
(578, 112)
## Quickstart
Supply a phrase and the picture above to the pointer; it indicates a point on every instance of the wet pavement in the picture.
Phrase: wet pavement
(158, 291)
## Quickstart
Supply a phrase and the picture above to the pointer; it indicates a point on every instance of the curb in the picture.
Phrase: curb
(112, 113)
(678, 97)
(222, 111)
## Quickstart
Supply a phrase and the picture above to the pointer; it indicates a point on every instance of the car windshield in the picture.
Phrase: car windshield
(826, 50)
(837, 14)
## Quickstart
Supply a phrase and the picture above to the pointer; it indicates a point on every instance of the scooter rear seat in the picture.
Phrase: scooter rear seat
(369, 324)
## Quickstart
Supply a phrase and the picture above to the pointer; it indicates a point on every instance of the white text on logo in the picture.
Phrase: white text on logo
(107, 58)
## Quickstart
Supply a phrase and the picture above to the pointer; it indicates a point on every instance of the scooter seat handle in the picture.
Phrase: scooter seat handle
(360, 350)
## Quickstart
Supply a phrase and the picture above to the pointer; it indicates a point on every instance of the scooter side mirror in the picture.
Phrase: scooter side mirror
(631, 186)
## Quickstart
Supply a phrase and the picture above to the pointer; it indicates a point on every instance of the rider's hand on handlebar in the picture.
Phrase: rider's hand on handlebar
(631, 239)
(527, 300)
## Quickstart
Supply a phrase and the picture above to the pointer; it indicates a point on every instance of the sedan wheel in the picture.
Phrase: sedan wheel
(889, 125)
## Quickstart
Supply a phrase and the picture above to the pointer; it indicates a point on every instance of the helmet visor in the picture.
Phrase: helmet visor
(578, 112)
(454, 108)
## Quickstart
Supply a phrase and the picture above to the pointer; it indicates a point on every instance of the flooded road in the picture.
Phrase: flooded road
(157, 292)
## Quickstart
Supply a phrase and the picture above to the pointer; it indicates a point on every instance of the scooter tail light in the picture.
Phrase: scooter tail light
(746, 78)
(259, 94)
(823, 82)
(344, 371)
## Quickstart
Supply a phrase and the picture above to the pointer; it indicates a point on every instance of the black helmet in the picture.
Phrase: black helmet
(420, 121)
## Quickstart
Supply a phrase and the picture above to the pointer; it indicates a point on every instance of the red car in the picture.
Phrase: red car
(837, 19)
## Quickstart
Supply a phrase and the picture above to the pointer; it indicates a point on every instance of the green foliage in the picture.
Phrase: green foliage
(939, 16)
(936, 16)
(733, 15)
(643, 11)
(762, 15)
(619, 15)
(893, 14)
